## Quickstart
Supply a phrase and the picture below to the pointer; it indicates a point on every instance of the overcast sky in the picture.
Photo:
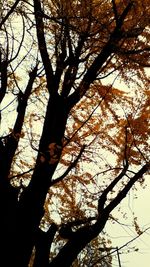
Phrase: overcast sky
(121, 234)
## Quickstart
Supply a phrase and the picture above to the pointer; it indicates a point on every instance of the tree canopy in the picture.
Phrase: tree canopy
(74, 125)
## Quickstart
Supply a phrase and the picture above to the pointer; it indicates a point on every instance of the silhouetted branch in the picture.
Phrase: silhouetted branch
(122, 194)
(43, 245)
(114, 250)
(43, 47)
(9, 13)
(71, 166)
(115, 11)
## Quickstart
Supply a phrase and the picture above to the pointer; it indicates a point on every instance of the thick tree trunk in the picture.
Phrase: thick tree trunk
(30, 206)
(77, 242)
(8, 205)
(43, 245)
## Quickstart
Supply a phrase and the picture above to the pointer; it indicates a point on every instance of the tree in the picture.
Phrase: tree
(55, 60)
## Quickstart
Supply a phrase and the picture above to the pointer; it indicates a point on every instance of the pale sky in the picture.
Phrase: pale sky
(122, 234)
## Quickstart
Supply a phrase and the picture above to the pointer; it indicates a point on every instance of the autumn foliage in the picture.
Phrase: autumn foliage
(75, 117)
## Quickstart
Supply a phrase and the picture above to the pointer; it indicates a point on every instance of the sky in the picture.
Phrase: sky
(141, 209)
(122, 234)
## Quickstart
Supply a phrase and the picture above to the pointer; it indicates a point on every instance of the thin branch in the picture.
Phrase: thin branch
(20, 174)
(71, 166)
(84, 122)
(101, 58)
(8, 104)
(122, 194)
(9, 13)
(20, 42)
(125, 245)
(132, 51)
(103, 197)
(14, 137)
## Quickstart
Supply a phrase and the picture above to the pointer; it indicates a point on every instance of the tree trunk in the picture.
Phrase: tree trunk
(28, 211)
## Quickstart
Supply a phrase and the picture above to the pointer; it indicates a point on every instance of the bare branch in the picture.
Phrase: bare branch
(103, 197)
(114, 250)
(71, 166)
(122, 194)
(9, 13)
(43, 47)
(14, 137)
(21, 174)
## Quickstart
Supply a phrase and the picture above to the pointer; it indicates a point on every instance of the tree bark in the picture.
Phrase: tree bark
(30, 206)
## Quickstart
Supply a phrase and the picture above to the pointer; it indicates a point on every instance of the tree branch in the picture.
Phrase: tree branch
(9, 13)
(103, 197)
(102, 57)
(122, 194)
(123, 246)
(42, 245)
(43, 47)
(115, 11)
(71, 166)
(13, 139)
